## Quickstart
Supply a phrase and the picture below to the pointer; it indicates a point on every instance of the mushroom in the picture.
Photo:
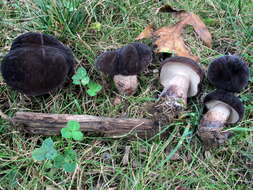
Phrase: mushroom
(37, 64)
(180, 77)
(229, 73)
(223, 108)
(124, 64)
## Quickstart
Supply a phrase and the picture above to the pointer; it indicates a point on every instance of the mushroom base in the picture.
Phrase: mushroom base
(212, 124)
(167, 108)
(213, 137)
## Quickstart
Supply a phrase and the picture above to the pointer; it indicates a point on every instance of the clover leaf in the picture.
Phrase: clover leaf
(67, 161)
(72, 131)
(81, 77)
(94, 88)
(46, 151)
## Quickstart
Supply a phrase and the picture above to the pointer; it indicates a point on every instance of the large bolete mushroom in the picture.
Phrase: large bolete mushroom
(223, 108)
(180, 77)
(124, 64)
(37, 64)
(229, 73)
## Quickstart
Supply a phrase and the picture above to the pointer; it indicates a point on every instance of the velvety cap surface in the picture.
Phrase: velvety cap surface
(228, 73)
(37, 64)
(128, 60)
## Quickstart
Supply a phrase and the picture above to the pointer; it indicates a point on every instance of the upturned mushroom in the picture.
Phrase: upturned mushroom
(223, 108)
(37, 64)
(181, 78)
(229, 73)
(124, 64)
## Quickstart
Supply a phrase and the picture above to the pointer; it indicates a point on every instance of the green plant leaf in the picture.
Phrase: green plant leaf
(80, 77)
(69, 166)
(81, 72)
(59, 161)
(66, 133)
(94, 86)
(85, 80)
(70, 154)
(38, 154)
(91, 92)
(46, 151)
(72, 130)
(73, 125)
(77, 135)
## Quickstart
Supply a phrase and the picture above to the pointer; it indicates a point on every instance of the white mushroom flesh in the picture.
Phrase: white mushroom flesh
(175, 73)
(223, 109)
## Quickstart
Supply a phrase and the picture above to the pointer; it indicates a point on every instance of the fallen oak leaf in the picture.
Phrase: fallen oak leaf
(169, 39)
(198, 25)
(146, 33)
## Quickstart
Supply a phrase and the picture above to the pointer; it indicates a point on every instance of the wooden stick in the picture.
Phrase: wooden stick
(51, 124)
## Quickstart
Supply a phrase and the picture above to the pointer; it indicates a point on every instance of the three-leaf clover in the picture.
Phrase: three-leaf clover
(72, 131)
(81, 77)
(46, 151)
(94, 88)
(67, 161)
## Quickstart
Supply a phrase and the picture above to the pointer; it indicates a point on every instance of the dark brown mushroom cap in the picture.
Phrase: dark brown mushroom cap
(188, 62)
(228, 73)
(107, 62)
(128, 60)
(37, 64)
(227, 98)
(36, 39)
(35, 71)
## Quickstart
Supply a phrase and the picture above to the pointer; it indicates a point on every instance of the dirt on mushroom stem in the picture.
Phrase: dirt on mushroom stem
(167, 108)
(211, 125)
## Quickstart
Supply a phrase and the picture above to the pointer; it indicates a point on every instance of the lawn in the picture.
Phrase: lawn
(177, 160)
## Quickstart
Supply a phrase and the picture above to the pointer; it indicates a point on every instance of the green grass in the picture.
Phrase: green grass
(152, 163)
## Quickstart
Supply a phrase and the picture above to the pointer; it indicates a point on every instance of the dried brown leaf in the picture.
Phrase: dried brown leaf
(170, 39)
(146, 33)
(198, 25)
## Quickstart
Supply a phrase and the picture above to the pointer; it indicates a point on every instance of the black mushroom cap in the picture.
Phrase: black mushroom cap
(128, 60)
(228, 73)
(227, 98)
(107, 62)
(37, 66)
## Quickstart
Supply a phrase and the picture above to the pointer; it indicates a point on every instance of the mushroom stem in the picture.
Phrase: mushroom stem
(126, 85)
(177, 87)
(173, 99)
(211, 125)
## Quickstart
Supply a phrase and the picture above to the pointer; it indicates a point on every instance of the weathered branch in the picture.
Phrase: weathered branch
(51, 124)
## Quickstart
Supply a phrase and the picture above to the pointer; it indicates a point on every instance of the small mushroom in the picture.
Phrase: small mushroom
(229, 73)
(124, 64)
(180, 77)
(223, 108)
(37, 64)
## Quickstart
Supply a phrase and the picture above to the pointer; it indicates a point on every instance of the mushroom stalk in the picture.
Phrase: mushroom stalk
(211, 125)
(177, 87)
(126, 85)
